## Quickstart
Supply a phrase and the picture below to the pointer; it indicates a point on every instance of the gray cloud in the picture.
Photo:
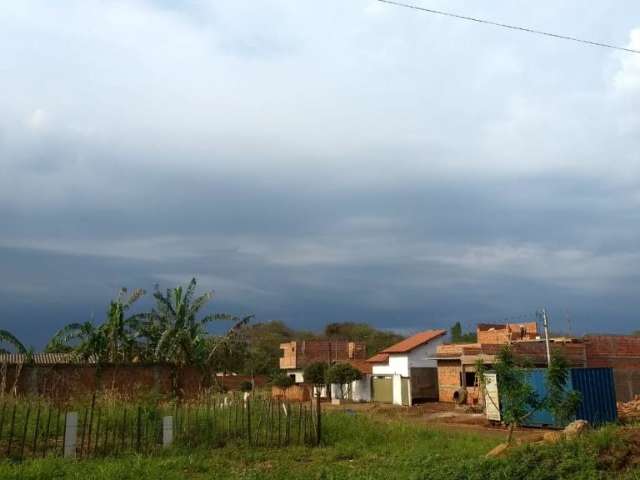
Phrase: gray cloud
(319, 163)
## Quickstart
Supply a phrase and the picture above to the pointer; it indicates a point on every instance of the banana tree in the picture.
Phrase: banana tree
(114, 341)
(10, 340)
(176, 334)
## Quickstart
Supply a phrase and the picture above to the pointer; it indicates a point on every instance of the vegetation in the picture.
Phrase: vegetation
(108, 425)
(374, 339)
(283, 381)
(316, 374)
(517, 396)
(10, 340)
(457, 336)
(171, 332)
(342, 374)
(263, 342)
(358, 447)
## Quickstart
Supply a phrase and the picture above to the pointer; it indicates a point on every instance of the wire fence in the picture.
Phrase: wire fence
(31, 428)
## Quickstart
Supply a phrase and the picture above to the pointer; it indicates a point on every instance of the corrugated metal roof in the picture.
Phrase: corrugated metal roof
(414, 341)
(40, 358)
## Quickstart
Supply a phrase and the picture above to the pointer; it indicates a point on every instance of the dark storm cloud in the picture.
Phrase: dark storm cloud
(404, 171)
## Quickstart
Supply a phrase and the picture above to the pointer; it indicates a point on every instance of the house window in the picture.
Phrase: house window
(469, 379)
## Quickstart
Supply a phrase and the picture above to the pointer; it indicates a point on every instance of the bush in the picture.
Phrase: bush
(283, 381)
(315, 373)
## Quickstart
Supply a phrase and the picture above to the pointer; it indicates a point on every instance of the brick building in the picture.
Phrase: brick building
(457, 362)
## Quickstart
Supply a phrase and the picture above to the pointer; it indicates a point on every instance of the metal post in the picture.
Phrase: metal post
(545, 323)
(167, 431)
(70, 434)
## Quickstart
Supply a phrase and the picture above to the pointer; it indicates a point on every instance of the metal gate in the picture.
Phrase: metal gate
(382, 389)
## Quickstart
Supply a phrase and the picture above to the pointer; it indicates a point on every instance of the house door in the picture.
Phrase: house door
(382, 389)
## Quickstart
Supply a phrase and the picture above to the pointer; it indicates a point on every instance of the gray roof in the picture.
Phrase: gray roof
(39, 358)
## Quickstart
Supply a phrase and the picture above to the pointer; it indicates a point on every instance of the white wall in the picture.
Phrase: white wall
(401, 363)
(421, 356)
(360, 389)
(397, 389)
(398, 365)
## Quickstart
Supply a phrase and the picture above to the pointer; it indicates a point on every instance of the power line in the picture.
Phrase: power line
(511, 27)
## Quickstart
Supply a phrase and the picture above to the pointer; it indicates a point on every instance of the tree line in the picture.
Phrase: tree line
(175, 331)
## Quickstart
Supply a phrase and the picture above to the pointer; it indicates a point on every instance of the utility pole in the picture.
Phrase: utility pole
(545, 323)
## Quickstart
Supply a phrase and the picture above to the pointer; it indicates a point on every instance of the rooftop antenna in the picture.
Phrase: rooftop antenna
(568, 317)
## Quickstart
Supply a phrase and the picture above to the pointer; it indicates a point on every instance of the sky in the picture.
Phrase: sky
(317, 162)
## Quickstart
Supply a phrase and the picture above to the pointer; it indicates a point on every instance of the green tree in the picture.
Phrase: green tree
(86, 340)
(262, 352)
(343, 374)
(316, 374)
(113, 341)
(518, 399)
(560, 401)
(283, 381)
(10, 340)
(458, 336)
(375, 340)
(173, 329)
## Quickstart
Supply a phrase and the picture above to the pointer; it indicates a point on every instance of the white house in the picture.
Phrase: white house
(407, 371)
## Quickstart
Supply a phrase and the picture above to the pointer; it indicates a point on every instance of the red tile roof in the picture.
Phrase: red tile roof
(415, 341)
(361, 365)
(379, 358)
(407, 345)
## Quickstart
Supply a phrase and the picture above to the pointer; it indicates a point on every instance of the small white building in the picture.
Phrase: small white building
(407, 371)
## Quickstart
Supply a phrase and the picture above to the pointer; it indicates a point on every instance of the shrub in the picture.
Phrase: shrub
(315, 373)
(282, 380)
(343, 374)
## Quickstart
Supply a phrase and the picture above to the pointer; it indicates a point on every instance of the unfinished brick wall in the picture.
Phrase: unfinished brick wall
(448, 379)
(620, 352)
(298, 354)
(506, 333)
(536, 352)
(617, 351)
(62, 382)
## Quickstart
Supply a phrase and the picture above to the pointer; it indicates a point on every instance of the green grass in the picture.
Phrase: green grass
(358, 447)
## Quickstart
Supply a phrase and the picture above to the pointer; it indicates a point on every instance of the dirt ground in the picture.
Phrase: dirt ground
(445, 416)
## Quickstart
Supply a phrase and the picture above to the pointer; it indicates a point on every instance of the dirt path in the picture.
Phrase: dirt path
(440, 416)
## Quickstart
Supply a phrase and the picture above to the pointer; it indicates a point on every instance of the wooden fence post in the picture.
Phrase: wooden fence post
(167, 431)
(70, 434)
(318, 419)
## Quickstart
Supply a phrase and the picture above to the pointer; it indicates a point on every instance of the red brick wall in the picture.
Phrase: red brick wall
(448, 379)
(536, 352)
(62, 382)
(617, 351)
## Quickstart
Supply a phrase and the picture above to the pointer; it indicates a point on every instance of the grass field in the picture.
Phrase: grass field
(359, 447)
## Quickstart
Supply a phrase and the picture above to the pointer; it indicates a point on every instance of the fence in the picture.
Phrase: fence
(36, 428)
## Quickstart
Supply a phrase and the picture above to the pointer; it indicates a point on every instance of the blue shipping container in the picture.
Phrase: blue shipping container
(597, 391)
